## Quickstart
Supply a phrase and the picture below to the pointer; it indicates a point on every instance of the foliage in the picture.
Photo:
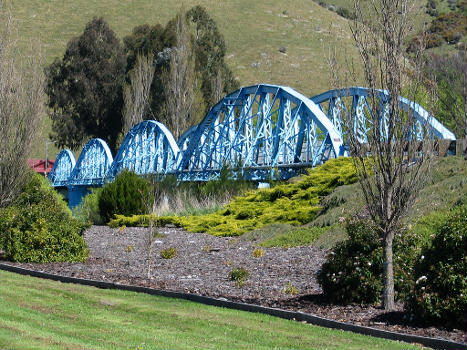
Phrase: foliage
(210, 50)
(39, 227)
(168, 253)
(290, 289)
(440, 289)
(354, 269)
(239, 275)
(447, 27)
(142, 220)
(88, 210)
(294, 204)
(85, 88)
(126, 195)
(258, 252)
(209, 53)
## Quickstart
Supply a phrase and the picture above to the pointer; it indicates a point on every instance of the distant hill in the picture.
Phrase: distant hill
(255, 32)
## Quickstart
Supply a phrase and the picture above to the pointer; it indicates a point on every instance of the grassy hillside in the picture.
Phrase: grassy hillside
(42, 314)
(254, 33)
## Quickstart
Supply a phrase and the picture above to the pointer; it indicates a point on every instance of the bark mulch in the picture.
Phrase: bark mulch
(282, 278)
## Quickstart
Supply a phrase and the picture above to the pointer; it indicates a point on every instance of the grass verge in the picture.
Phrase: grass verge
(43, 314)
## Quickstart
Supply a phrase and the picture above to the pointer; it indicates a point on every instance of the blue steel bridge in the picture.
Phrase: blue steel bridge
(263, 131)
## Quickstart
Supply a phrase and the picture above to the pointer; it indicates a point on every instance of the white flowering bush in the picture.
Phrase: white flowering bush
(354, 269)
(440, 275)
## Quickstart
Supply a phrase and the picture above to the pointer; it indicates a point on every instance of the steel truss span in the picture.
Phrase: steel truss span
(261, 131)
(62, 168)
(356, 101)
(148, 148)
(258, 129)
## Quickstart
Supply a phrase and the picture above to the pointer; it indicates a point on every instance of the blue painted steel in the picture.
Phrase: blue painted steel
(256, 129)
(62, 168)
(261, 131)
(332, 102)
(185, 139)
(92, 165)
(148, 148)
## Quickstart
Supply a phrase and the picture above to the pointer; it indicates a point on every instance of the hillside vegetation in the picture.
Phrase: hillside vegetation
(254, 32)
(313, 208)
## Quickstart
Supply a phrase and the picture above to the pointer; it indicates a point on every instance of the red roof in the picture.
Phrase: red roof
(38, 165)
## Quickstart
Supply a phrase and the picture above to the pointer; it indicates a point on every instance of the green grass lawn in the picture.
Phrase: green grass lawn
(43, 314)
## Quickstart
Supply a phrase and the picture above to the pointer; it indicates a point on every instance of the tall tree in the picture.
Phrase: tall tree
(389, 178)
(85, 88)
(136, 92)
(21, 109)
(183, 105)
(210, 49)
(148, 40)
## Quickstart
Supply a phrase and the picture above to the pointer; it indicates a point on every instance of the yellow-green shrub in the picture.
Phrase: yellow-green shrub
(290, 203)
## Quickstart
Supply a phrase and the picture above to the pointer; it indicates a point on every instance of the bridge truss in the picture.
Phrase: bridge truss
(261, 131)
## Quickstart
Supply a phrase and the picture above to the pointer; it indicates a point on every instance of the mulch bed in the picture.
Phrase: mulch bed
(202, 266)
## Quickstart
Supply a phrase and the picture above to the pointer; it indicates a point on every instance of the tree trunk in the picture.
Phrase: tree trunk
(388, 293)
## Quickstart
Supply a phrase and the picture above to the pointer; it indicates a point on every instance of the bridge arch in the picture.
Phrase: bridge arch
(260, 127)
(148, 148)
(92, 165)
(336, 102)
(62, 168)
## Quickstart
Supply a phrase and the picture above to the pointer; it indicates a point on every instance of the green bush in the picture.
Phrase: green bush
(354, 269)
(168, 253)
(127, 195)
(440, 279)
(88, 210)
(239, 275)
(39, 227)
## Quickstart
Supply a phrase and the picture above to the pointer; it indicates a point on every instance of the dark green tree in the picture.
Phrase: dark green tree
(85, 88)
(209, 45)
(148, 40)
(209, 49)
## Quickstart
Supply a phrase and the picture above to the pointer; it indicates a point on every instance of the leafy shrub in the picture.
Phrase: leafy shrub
(290, 289)
(143, 221)
(239, 275)
(88, 210)
(168, 253)
(258, 252)
(39, 227)
(128, 194)
(440, 288)
(354, 269)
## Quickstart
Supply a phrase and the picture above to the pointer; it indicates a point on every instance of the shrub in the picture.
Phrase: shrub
(239, 275)
(168, 253)
(354, 269)
(39, 227)
(127, 195)
(290, 289)
(440, 279)
(258, 252)
(88, 210)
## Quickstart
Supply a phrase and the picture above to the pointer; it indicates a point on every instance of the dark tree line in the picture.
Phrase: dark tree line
(85, 87)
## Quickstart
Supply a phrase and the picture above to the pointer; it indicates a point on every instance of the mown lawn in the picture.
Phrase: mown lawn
(42, 314)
